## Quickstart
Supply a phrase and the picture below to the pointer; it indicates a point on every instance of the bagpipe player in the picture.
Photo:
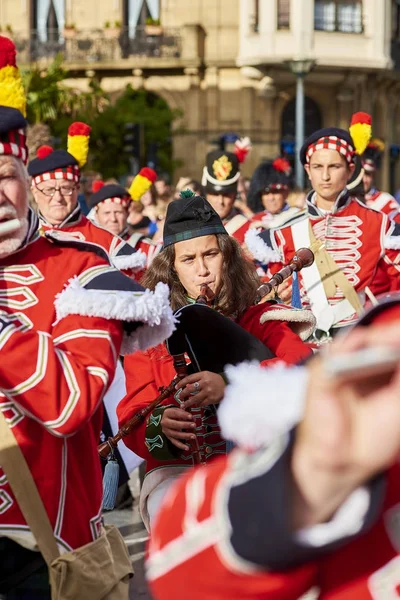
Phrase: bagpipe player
(198, 251)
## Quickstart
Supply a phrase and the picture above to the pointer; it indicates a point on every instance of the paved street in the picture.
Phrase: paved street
(130, 524)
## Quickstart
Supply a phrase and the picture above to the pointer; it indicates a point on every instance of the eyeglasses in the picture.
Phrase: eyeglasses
(65, 190)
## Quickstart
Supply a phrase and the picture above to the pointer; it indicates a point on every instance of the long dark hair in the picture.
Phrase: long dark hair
(239, 278)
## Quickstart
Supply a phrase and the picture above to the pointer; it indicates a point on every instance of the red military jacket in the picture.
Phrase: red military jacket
(146, 372)
(61, 316)
(382, 201)
(363, 242)
(122, 255)
(266, 220)
(194, 544)
(145, 246)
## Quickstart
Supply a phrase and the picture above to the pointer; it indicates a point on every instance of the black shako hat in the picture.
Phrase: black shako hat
(109, 191)
(189, 217)
(269, 176)
(221, 173)
(328, 132)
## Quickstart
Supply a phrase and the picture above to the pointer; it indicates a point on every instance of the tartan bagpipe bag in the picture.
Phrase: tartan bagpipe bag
(99, 570)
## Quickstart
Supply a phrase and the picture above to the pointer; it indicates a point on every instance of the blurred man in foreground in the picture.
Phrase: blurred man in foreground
(295, 506)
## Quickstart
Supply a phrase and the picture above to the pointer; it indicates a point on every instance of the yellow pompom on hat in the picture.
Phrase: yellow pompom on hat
(78, 142)
(12, 91)
(142, 182)
(361, 131)
(60, 164)
(12, 104)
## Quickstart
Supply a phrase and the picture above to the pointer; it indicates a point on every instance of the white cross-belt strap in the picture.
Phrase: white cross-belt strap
(381, 200)
(327, 315)
(235, 223)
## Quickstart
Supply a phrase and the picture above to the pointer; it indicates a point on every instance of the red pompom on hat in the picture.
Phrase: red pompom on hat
(79, 128)
(282, 165)
(97, 185)
(148, 173)
(8, 53)
(44, 151)
(362, 118)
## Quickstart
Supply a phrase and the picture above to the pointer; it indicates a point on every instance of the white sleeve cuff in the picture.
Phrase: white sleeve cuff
(347, 521)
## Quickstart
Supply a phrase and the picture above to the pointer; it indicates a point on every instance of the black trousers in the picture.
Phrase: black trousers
(23, 573)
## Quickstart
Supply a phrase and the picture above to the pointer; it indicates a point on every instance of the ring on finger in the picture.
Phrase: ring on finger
(196, 386)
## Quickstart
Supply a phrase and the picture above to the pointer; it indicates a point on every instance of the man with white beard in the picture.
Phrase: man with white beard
(65, 316)
(13, 219)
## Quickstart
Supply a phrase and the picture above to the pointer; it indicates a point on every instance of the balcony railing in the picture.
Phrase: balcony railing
(94, 46)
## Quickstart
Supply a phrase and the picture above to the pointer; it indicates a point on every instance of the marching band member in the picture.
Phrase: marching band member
(55, 186)
(197, 251)
(375, 198)
(65, 315)
(354, 246)
(285, 512)
(220, 179)
(140, 185)
(110, 209)
(269, 189)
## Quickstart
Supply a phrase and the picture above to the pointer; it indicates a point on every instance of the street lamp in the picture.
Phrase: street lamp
(300, 67)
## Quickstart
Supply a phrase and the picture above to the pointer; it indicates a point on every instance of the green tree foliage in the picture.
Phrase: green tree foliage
(107, 153)
(50, 101)
(46, 96)
(49, 98)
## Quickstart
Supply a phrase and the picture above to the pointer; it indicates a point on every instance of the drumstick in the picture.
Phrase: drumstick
(9, 226)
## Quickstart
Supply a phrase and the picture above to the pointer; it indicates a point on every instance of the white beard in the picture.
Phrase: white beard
(13, 241)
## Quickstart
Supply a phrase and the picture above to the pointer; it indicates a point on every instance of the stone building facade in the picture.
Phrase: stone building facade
(224, 63)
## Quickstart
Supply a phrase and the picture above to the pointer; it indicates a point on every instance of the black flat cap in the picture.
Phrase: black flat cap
(58, 159)
(11, 119)
(111, 190)
(189, 217)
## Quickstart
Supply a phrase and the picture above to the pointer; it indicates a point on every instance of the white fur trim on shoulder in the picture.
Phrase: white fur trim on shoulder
(135, 261)
(261, 404)
(392, 242)
(150, 308)
(259, 249)
(300, 320)
(92, 215)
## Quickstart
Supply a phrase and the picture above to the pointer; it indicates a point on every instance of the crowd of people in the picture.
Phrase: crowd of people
(272, 453)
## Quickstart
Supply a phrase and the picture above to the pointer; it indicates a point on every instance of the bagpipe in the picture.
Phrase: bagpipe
(211, 341)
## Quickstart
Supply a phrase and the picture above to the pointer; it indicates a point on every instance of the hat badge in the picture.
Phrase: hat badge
(222, 168)
(203, 214)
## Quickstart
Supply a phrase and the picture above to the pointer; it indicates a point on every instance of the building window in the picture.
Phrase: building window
(283, 14)
(48, 19)
(338, 15)
(396, 20)
(255, 17)
(140, 12)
